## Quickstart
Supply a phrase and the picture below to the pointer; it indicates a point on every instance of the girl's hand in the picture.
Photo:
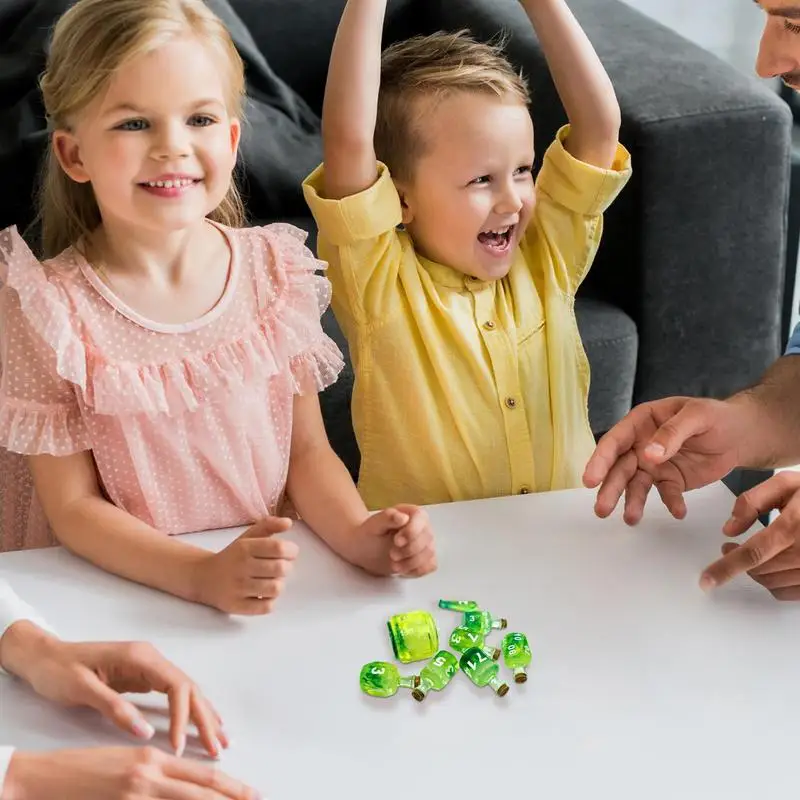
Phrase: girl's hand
(110, 773)
(247, 576)
(396, 541)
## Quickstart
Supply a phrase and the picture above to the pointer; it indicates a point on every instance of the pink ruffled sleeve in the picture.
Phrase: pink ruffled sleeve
(293, 297)
(40, 359)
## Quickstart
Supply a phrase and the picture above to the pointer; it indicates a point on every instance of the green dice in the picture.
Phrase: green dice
(414, 636)
(517, 655)
(482, 671)
(436, 675)
(382, 679)
(483, 622)
(458, 605)
(462, 639)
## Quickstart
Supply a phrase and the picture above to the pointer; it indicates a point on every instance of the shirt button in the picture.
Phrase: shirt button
(489, 325)
(525, 490)
(511, 402)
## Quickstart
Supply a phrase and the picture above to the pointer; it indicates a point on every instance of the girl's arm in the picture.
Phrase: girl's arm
(581, 80)
(91, 527)
(395, 541)
(350, 109)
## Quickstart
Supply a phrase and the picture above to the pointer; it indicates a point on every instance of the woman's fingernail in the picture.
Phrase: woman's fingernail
(655, 449)
(181, 746)
(143, 729)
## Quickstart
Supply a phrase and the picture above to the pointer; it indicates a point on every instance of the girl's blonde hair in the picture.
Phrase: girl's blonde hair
(90, 42)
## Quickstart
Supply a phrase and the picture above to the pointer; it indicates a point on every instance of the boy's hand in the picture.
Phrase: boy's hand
(397, 541)
(247, 576)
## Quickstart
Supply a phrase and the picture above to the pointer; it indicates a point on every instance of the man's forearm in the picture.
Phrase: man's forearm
(773, 408)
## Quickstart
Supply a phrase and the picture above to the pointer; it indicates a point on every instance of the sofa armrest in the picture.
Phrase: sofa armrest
(694, 247)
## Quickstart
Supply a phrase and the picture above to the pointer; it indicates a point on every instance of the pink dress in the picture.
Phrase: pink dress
(189, 425)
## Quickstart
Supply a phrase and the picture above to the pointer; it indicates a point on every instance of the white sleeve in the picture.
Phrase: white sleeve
(12, 610)
(5, 759)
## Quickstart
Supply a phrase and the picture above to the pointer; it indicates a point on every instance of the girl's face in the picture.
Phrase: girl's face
(159, 145)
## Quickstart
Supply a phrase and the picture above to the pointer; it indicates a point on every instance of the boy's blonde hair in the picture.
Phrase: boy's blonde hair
(434, 66)
(90, 42)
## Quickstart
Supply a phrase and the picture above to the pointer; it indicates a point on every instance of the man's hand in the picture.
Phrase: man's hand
(97, 674)
(396, 541)
(678, 444)
(771, 556)
(108, 773)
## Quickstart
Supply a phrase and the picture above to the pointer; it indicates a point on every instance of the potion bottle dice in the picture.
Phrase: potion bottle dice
(482, 621)
(414, 636)
(517, 655)
(482, 671)
(458, 605)
(381, 679)
(436, 674)
(462, 639)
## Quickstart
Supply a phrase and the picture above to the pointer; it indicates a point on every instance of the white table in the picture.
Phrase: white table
(642, 686)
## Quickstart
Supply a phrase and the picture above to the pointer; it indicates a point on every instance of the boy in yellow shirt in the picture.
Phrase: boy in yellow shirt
(470, 376)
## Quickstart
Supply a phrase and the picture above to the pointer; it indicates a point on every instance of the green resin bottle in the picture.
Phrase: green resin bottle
(517, 655)
(482, 671)
(381, 679)
(414, 636)
(436, 675)
(483, 622)
(462, 639)
(458, 605)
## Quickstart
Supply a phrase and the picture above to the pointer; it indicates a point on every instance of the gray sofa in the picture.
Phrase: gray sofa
(685, 295)
(686, 292)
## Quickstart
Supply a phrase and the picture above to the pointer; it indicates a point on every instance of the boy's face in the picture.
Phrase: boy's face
(472, 194)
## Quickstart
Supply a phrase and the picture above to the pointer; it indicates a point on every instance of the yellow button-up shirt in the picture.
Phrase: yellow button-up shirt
(463, 388)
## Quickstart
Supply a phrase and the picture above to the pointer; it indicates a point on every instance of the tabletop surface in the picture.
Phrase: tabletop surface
(641, 685)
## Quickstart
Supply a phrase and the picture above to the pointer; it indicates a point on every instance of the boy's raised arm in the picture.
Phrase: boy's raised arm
(581, 80)
(351, 100)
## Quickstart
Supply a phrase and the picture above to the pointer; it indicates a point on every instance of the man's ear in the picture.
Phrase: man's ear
(68, 152)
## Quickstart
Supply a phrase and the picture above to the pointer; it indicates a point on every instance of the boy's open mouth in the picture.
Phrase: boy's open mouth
(497, 241)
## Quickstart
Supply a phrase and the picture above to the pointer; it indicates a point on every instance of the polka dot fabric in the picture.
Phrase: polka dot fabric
(189, 425)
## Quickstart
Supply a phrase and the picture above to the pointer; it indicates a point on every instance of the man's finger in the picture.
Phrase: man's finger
(615, 484)
(758, 549)
(689, 421)
(636, 497)
(612, 445)
(791, 594)
(783, 579)
(750, 505)
(94, 693)
(672, 497)
(787, 560)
